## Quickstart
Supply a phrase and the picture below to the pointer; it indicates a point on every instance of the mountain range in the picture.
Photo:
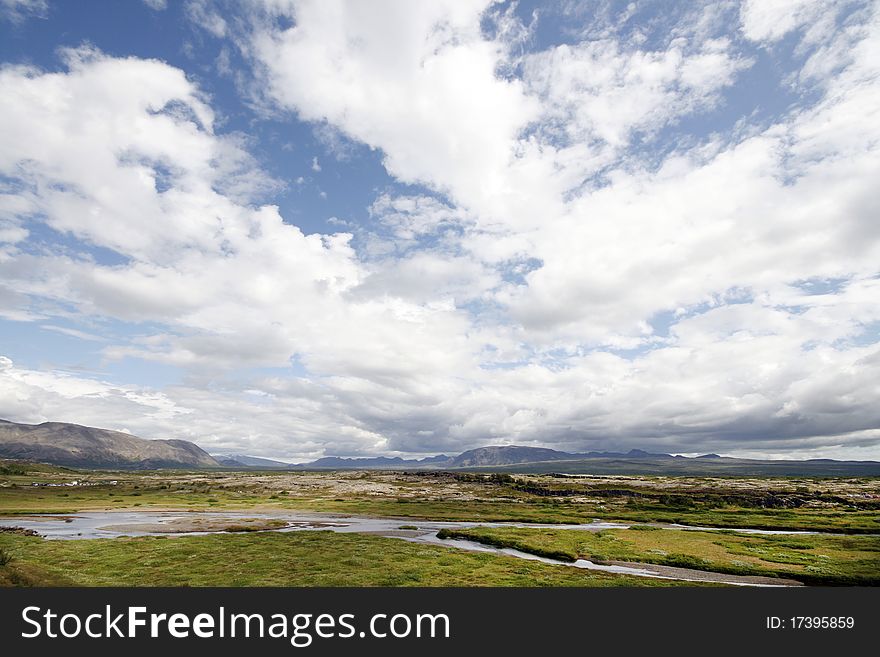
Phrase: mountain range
(516, 458)
(76, 446)
(73, 445)
(474, 458)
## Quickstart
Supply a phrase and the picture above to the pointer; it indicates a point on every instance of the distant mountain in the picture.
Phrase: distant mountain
(516, 458)
(72, 445)
(235, 460)
(440, 458)
(514, 454)
(506, 455)
(493, 456)
(77, 446)
(639, 462)
(393, 462)
(635, 454)
(631, 454)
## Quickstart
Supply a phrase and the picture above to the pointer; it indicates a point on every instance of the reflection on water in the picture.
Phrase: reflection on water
(107, 524)
(110, 524)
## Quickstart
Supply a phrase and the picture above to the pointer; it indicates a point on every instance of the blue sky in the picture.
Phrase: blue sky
(295, 229)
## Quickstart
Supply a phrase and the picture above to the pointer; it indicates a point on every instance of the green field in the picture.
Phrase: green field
(811, 559)
(317, 558)
(827, 505)
(847, 506)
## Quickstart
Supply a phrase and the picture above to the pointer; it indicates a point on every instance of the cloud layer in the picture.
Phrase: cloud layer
(588, 248)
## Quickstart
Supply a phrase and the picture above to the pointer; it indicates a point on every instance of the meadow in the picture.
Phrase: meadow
(319, 558)
(836, 505)
(844, 511)
(808, 558)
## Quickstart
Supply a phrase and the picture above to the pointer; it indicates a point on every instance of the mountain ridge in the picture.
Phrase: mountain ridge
(78, 446)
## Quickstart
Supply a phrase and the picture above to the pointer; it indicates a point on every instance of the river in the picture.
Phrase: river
(110, 524)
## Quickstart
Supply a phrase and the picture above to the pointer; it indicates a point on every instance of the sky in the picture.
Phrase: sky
(296, 229)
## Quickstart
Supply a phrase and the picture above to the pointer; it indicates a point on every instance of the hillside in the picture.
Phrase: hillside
(73, 445)
(693, 467)
(519, 459)
(505, 455)
(235, 460)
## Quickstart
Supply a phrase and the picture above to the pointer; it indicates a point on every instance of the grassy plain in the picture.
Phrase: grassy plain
(826, 505)
(830, 505)
(318, 558)
(808, 558)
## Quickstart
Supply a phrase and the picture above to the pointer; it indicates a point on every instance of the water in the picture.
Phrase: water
(100, 524)
(109, 524)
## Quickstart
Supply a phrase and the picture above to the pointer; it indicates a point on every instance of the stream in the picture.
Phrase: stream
(110, 524)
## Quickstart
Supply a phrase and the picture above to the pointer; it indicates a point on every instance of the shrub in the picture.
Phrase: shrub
(5, 557)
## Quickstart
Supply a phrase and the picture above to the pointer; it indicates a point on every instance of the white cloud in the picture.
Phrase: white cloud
(74, 333)
(202, 13)
(413, 216)
(770, 21)
(17, 11)
(426, 277)
(518, 299)
(415, 79)
(156, 5)
(12, 232)
(235, 285)
(598, 92)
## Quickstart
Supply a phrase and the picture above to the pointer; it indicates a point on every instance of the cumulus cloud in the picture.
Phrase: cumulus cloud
(770, 21)
(598, 94)
(546, 274)
(234, 285)
(399, 78)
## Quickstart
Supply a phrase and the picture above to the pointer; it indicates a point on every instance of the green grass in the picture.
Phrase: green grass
(497, 500)
(5, 557)
(854, 522)
(811, 559)
(541, 550)
(19, 501)
(317, 558)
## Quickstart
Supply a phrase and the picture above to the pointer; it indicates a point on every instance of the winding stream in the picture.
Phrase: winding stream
(110, 524)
